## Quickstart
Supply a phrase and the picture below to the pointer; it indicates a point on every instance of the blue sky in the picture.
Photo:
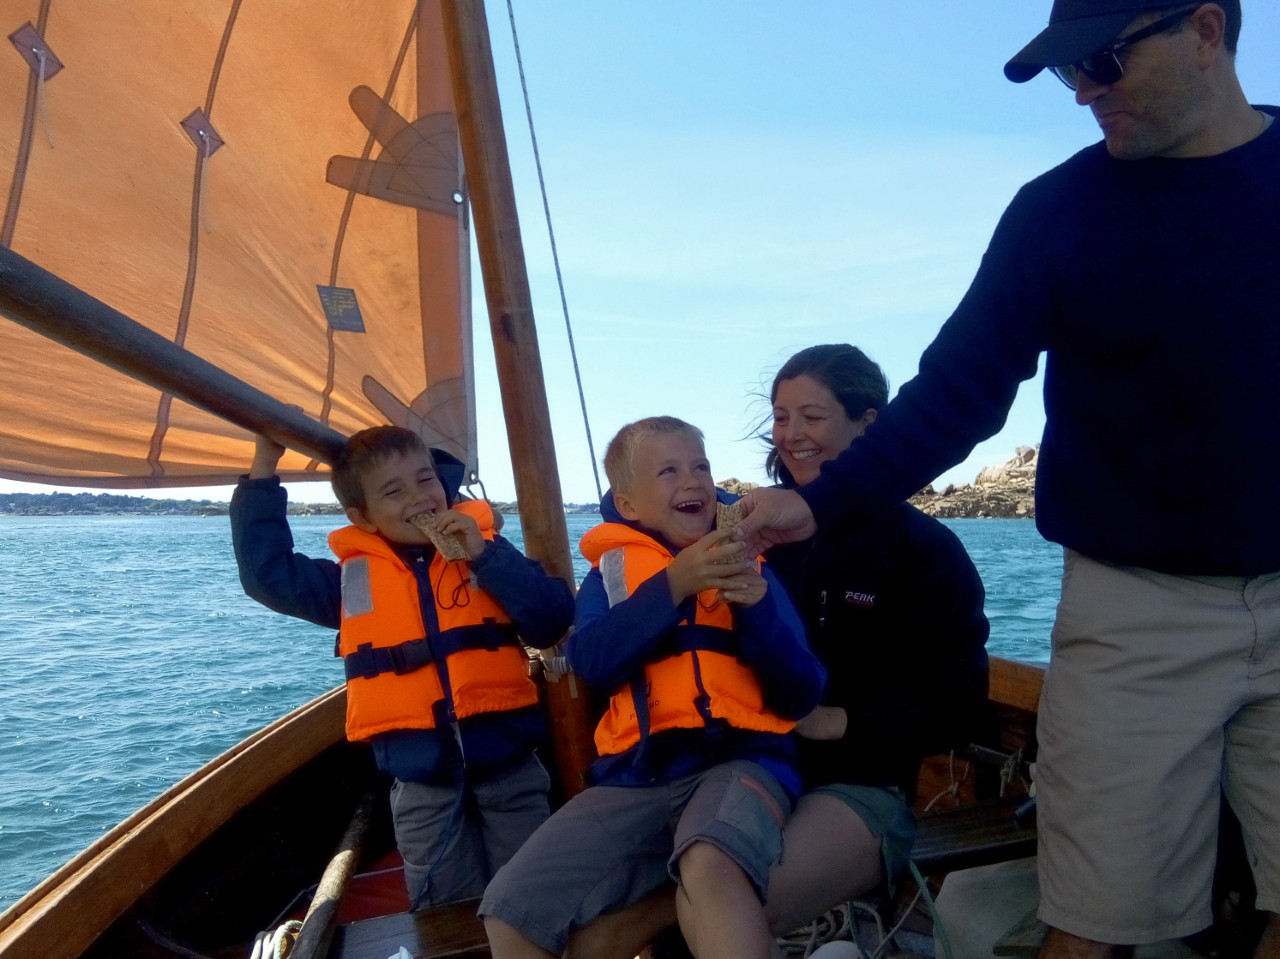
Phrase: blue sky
(731, 182)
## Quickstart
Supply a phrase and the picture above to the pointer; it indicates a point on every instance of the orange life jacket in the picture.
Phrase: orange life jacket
(394, 679)
(695, 680)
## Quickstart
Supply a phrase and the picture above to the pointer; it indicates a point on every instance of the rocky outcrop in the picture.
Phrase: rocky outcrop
(1006, 491)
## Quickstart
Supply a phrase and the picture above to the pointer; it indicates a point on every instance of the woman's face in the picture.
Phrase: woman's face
(810, 427)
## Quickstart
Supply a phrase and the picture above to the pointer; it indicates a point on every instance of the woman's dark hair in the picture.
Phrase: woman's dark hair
(855, 379)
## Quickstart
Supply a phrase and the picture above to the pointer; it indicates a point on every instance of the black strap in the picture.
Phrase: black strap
(367, 662)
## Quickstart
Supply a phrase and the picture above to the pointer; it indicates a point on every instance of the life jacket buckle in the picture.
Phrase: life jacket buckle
(405, 657)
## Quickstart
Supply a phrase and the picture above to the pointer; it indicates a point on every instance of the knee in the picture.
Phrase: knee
(706, 868)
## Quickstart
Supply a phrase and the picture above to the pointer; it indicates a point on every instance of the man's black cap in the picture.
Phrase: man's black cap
(1077, 28)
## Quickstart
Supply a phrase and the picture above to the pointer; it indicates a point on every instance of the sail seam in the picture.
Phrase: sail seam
(203, 152)
(24, 145)
(326, 406)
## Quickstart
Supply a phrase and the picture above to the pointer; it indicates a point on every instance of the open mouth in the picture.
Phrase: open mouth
(690, 506)
(801, 455)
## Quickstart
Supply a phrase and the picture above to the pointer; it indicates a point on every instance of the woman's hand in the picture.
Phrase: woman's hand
(825, 722)
(465, 529)
(712, 562)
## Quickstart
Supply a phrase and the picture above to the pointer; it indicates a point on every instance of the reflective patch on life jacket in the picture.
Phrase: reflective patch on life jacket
(357, 590)
(613, 571)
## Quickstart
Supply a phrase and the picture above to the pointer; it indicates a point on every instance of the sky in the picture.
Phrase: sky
(730, 182)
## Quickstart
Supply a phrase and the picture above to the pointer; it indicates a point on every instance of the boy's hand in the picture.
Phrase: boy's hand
(266, 454)
(713, 562)
(465, 529)
(748, 588)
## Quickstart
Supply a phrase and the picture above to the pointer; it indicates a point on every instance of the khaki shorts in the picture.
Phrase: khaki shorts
(610, 846)
(1162, 693)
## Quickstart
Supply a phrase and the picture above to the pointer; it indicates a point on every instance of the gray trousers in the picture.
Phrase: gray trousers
(454, 837)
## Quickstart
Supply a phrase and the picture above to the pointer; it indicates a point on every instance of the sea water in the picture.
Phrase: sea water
(129, 657)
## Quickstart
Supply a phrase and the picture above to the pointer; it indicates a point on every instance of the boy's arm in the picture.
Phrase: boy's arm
(772, 640)
(609, 644)
(270, 571)
(540, 606)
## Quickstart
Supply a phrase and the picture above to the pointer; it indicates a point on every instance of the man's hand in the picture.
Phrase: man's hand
(266, 454)
(465, 529)
(773, 516)
(825, 722)
(713, 562)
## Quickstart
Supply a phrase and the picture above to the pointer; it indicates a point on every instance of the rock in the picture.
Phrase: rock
(1006, 491)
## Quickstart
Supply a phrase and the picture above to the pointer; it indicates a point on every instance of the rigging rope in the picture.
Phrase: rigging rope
(555, 256)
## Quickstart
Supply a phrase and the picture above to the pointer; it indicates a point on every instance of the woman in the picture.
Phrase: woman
(893, 608)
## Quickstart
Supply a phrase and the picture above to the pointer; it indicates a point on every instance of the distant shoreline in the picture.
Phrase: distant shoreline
(117, 504)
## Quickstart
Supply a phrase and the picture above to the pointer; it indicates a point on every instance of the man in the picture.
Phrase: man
(1144, 269)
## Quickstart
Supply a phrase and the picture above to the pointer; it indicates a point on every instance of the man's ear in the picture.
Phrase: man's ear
(1210, 24)
(622, 503)
(357, 518)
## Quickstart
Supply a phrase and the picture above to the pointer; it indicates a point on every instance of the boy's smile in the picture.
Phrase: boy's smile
(396, 489)
(672, 491)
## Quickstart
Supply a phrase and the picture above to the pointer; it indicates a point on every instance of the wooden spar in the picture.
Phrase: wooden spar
(515, 344)
(37, 299)
(316, 932)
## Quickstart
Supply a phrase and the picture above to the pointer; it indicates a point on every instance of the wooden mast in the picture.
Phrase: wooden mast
(515, 344)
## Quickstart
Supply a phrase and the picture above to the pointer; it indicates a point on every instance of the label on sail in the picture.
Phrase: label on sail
(341, 309)
(204, 167)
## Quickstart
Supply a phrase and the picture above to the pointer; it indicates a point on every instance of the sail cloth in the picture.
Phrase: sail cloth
(274, 185)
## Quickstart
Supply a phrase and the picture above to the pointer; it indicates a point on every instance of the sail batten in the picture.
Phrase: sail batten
(305, 231)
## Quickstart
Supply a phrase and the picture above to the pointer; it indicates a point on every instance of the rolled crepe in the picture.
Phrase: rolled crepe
(448, 545)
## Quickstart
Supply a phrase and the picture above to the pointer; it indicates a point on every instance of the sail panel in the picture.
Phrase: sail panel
(273, 185)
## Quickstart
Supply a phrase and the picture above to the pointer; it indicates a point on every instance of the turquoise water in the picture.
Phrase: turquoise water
(129, 657)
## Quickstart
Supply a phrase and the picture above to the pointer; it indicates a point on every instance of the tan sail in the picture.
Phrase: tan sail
(277, 188)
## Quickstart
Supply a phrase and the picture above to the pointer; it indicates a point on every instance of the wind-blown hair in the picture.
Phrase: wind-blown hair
(852, 376)
(620, 455)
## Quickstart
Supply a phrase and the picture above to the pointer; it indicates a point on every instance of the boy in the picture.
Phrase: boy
(437, 680)
(707, 666)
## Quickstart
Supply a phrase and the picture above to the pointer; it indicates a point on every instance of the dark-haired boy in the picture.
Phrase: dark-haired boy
(708, 667)
(437, 679)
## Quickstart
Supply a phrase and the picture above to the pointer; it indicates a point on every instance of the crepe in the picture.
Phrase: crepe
(728, 515)
(448, 545)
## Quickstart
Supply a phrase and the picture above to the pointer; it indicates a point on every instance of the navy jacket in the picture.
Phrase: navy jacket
(893, 608)
(540, 606)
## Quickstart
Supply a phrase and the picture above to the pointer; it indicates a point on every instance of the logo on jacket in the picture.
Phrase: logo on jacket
(860, 599)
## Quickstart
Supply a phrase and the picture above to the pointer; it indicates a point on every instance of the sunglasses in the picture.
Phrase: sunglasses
(1105, 67)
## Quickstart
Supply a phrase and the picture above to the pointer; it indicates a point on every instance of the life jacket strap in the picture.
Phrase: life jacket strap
(367, 661)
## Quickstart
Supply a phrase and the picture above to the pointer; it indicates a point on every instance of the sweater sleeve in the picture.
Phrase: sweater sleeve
(772, 640)
(541, 606)
(967, 381)
(609, 644)
(271, 571)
